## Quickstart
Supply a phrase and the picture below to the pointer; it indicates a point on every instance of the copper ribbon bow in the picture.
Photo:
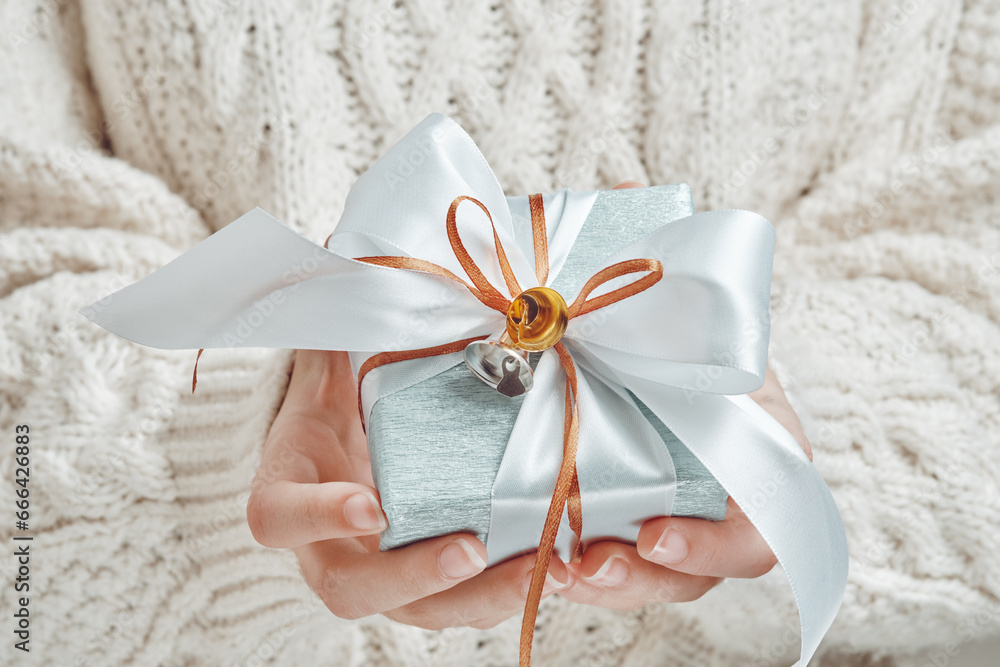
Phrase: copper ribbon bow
(567, 489)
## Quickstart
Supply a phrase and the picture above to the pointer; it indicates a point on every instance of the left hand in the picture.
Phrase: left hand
(678, 559)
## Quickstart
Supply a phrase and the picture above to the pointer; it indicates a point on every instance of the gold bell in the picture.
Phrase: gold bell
(536, 320)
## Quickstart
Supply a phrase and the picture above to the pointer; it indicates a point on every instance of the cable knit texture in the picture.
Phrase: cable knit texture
(869, 132)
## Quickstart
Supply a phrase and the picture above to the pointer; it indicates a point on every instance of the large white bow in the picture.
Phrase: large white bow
(690, 347)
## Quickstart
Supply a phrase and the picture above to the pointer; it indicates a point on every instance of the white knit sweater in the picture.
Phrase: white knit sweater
(869, 132)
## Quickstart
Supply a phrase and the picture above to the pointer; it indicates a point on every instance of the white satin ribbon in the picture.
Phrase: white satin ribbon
(689, 347)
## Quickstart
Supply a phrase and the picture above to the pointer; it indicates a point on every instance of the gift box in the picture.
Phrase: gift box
(543, 371)
(437, 446)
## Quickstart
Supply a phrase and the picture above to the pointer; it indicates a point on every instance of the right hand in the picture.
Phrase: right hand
(314, 493)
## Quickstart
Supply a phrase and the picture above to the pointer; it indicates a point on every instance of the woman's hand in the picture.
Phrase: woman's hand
(314, 493)
(678, 559)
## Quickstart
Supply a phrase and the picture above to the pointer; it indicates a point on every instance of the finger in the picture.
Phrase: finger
(772, 398)
(613, 575)
(628, 185)
(729, 548)
(485, 600)
(354, 583)
(288, 514)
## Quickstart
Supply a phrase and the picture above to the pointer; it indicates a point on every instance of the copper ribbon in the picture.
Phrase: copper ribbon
(567, 489)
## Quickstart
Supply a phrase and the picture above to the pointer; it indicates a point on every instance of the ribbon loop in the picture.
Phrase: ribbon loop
(540, 238)
(582, 305)
(474, 272)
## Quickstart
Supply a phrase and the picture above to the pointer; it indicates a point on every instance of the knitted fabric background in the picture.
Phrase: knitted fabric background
(868, 132)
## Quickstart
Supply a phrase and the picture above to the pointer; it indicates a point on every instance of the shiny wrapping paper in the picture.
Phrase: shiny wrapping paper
(436, 446)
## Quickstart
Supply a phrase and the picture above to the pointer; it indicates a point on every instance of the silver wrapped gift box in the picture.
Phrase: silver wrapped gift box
(436, 446)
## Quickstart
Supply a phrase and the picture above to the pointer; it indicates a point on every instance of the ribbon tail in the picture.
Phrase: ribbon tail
(766, 473)
(524, 484)
(259, 283)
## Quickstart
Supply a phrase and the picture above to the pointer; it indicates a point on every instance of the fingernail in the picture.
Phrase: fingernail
(459, 560)
(363, 512)
(551, 583)
(670, 548)
(611, 573)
